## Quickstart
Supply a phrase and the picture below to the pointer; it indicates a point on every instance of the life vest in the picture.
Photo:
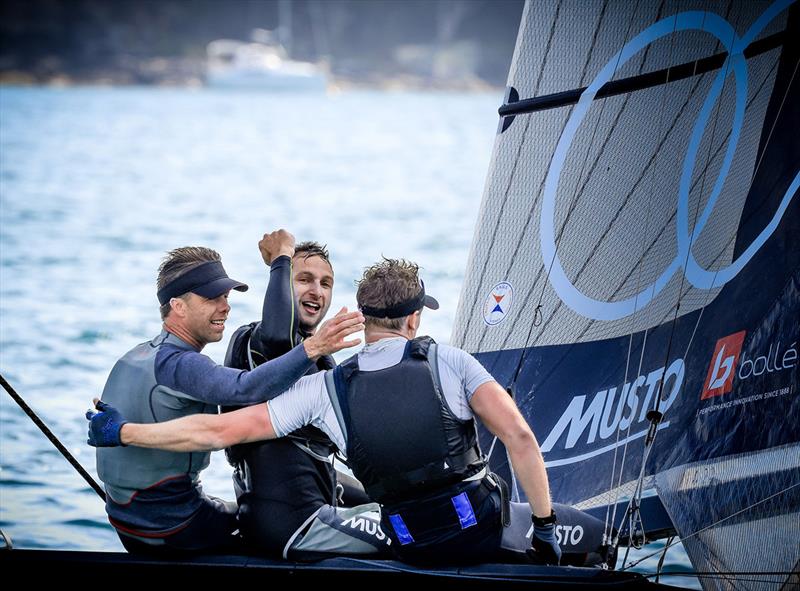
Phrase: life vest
(403, 441)
(133, 390)
(310, 439)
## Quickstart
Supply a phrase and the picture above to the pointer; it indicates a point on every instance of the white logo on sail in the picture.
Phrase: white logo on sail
(598, 419)
(684, 259)
(717, 381)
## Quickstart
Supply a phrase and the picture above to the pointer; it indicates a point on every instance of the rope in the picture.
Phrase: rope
(53, 439)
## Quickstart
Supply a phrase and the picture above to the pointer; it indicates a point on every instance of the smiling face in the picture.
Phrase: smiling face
(313, 286)
(204, 319)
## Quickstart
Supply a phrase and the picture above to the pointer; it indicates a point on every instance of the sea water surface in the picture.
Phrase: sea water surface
(97, 183)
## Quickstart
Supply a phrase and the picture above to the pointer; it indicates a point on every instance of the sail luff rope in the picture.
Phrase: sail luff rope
(501, 208)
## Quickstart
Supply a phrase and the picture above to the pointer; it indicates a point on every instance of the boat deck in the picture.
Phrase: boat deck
(210, 569)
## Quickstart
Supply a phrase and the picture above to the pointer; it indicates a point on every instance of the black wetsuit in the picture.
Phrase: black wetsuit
(278, 483)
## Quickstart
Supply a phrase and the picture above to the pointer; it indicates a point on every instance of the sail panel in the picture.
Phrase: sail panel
(719, 505)
(618, 188)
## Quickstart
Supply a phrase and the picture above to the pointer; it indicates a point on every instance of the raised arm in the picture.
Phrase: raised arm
(502, 417)
(275, 335)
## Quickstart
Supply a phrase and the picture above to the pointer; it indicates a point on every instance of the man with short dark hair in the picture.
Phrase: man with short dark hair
(154, 498)
(287, 488)
(403, 409)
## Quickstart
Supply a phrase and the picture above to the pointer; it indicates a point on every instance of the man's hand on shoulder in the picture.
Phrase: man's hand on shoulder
(275, 244)
(330, 337)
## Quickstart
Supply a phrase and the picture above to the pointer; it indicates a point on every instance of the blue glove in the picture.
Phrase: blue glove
(105, 426)
(544, 547)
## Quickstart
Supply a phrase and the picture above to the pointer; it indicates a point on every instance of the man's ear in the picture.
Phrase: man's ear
(412, 321)
(178, 306)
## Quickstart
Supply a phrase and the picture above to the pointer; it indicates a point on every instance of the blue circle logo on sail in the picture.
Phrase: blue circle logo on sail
(498, 303)
(684, 260)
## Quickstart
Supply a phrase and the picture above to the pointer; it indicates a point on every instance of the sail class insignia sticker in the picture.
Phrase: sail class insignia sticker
(498, 303)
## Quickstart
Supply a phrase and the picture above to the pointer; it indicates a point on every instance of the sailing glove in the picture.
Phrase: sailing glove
(105, 426)
(544, 546)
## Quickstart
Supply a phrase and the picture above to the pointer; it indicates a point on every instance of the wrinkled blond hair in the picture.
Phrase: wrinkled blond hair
(386, 284)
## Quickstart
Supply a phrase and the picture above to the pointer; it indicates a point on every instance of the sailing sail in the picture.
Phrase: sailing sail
(635, 272)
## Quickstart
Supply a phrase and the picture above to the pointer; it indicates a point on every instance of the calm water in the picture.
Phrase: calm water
(95, 184)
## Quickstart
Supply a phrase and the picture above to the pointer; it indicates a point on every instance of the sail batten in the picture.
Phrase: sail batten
(640, 81)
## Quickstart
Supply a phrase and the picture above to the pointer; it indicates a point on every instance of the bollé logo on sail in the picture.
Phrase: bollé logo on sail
(723, 365)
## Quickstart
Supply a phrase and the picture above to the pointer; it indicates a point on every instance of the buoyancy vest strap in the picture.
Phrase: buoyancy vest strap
(433, 361)
(404, 481)
(334, 393)
(250, 362)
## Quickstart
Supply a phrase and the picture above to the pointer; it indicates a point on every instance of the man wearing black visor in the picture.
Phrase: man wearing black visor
(154, 498)
(403, 411)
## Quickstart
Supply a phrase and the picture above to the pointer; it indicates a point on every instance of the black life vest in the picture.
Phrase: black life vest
(403, 441)
(310, 439)
(280, 482)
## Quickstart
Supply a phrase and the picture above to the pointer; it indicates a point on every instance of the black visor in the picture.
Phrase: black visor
(208, 280)
(405, 308)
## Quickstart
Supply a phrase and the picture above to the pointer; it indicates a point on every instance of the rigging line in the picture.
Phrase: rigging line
(775, 122)
(501, 208)
(613, 514)
(681, 539)
(53, 439)
(655, 416)
(610, 524)
(660, 565)
(657, 399)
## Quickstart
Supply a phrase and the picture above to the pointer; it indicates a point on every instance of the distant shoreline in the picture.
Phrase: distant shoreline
(190, 74)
